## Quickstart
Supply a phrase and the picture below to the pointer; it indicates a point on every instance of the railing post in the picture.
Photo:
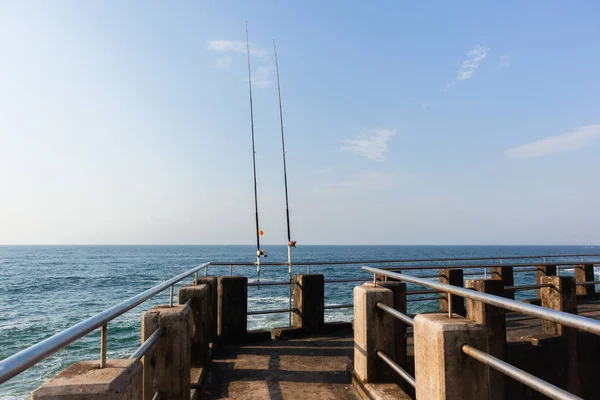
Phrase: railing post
(540, 272)
(493, 318)
(452, 277)
(167, 364)
(585, 273)
(506, 276)
(309, 302)
(198, 296)
(442, 370)
(562, 296)
(210, 314)
(400, 348)
(232, 315)
(120, 380)
(373, 331)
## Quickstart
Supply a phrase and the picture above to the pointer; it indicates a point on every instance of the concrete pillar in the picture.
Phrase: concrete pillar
(504, 274)
(442, 370)
(232, 314)
(373, 331)
(585, 273)
(167, 363)
(493, 319)
(210, 315)
(541, 271)
(120, 380)
(400, 352)
(309, 302)
(452, 277)
(198, 296)
(562, 297)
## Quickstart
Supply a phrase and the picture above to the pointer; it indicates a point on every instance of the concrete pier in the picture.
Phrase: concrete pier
(167, 365)
(232, 309)
(120, 380)
(442, 370)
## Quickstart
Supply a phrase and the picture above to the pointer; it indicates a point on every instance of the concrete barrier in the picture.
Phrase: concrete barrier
(373, 331)
(167, 364)
(442, 370)
(198, 296)
(120, 380)
(232, 309)
(210, 315)
(506, 276)
(452, 277)
(493, 318)
(585, 273)
(309, 302)
(542, 271)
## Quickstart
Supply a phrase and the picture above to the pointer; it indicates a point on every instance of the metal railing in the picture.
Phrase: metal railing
(564, 318)
(19, 362)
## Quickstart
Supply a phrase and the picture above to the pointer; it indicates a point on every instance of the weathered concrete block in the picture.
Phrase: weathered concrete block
(373, 331)
(309, 302)
(541, 271)
(121, 380)
(198, 296)
(452, 277)
(493, 318)
(232, 311)
(561, 296)
(210, 316)
(442, 370)
(167, 364)
(585, 273)
(506, 276)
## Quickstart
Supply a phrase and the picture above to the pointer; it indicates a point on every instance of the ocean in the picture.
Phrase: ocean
(45, 289)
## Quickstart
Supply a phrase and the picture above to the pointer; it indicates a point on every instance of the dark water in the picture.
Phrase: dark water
(46, 289)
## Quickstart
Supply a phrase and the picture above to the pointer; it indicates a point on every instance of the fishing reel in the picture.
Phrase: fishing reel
(260, 253)
(292, 243)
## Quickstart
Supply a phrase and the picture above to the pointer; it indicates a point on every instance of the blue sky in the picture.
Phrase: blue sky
(406, 122)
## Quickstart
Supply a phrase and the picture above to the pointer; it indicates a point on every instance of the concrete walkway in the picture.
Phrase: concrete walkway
(312, 368)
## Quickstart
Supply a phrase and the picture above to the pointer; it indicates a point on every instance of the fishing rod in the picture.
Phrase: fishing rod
(291, 243)
(259, 253)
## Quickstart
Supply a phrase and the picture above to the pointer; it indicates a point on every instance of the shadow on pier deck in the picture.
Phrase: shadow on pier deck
(310, 368)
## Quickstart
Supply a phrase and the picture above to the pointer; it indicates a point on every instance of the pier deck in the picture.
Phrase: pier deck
(311, 368)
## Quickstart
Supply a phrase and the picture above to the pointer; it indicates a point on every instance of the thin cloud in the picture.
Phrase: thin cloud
(236, 46)
(224, 62)
(369, 181)
(261, 76)
(374, 147)
(574, 140)
(504, 62)
(474, 57)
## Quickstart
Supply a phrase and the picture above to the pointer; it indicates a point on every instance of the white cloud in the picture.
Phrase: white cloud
(474, 57)
(236, 46)
(369, 181)
(504, 62)
(261, 77)
(373, 147)
(574, 140)
(224, 62)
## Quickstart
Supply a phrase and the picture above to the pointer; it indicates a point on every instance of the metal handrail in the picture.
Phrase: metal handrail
(423, 299)
(548, 389)
(570, 320)
(148, 343)
(528, 287)
(19, 362)
(276, 311)
(398, 369)
(304, 263)
(334, 306)
(396, 314)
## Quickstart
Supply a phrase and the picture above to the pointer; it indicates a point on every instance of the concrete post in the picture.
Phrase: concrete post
(585, 273)
(541, 271)
(232, 314)
(373, 331)
(452, 277)
(198, 296)
(167, 363)
(399, 292)
(120, 380)
(210, 316)
(442, 370)
(493, 319)
(505, 274)
(309, 302)
(562, 297)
